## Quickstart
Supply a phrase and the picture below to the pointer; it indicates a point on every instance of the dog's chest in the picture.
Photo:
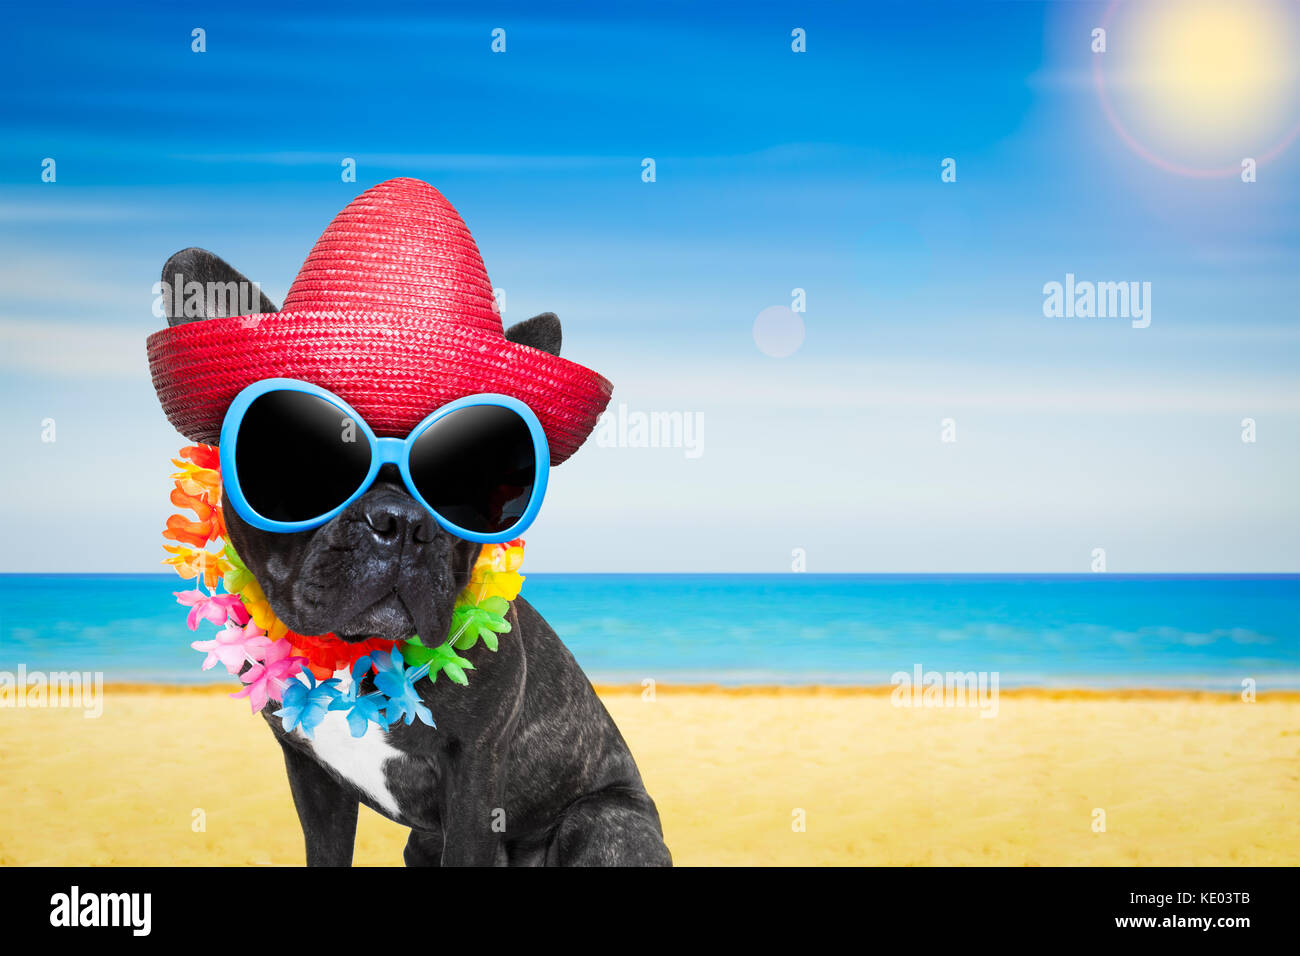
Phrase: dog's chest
(362, 761)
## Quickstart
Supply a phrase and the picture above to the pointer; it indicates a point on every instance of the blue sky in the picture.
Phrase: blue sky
(775, 170)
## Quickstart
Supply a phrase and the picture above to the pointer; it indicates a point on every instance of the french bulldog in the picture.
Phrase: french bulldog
(525, 766)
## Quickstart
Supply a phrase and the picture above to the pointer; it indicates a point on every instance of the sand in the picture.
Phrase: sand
(188, 777)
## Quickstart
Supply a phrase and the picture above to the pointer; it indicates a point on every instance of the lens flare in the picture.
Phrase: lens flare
(1195, 86)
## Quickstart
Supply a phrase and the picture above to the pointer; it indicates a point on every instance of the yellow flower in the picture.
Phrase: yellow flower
(259, 609)
(499, 558)
(496, 573)
(190, 563)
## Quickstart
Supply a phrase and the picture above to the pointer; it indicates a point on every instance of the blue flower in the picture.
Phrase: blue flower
(394, 683)
(363, 709)
(305, 705)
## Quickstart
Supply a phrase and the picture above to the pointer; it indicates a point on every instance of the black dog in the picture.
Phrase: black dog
(525, 766)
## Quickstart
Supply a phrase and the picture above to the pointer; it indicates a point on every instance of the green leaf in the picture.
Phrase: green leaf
(466, 622)
(238, 577)
(233, 557)
(415, 653)
(446, 660)
(474, 622)
(453, 670)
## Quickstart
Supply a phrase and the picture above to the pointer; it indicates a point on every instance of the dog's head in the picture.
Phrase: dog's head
(381, 568)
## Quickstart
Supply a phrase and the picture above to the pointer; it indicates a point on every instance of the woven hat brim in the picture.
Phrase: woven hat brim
(394, 370)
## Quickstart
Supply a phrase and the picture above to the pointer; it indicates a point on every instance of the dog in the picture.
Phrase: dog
(525, 767)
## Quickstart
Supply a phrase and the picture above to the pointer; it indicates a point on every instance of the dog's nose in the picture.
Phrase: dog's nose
(393, 518)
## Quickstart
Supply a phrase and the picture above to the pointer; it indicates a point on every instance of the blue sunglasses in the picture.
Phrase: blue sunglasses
(295, 455)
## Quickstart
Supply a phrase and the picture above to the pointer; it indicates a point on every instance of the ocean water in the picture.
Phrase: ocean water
(1102, 630)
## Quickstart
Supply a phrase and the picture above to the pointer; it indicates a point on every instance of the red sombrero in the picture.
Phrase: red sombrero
(394, 313)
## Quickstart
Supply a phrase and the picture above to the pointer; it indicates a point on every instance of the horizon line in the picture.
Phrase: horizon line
(774, 574)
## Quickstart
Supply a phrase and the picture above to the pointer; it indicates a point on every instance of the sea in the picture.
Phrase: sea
(1104, 631)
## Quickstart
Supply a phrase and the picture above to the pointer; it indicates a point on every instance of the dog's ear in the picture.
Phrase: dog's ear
(225, 290)
(540, 332)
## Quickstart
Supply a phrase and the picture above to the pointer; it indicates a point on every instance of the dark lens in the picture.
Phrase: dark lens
(299, 456)
(476, 467)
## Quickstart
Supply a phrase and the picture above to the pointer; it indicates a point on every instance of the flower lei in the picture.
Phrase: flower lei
(297, 669)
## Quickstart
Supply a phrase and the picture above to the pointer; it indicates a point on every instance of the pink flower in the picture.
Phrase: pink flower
(234, 645)
(217, 608)
(267, 678)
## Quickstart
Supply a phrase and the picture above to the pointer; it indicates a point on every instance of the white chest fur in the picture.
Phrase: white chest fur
(358, 760)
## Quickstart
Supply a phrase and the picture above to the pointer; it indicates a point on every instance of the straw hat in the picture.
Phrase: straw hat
(394, 313)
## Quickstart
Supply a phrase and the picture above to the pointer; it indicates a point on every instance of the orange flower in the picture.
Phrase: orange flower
(197, 533)
(194, 480)
(196, 503)
(205, 456)
(207, 525)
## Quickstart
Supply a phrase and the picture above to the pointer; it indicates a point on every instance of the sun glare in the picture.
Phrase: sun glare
(1197, 84)
(1213, 64)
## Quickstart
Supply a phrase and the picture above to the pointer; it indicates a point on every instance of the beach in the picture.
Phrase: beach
(171, 775)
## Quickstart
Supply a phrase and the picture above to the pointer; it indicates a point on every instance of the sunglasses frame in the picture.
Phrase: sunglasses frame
(383, 451)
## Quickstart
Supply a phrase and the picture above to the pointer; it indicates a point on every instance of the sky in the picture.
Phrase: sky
(828, 170)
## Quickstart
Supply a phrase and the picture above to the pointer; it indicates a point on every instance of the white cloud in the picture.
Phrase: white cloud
(939, 386)
(65, 350)
(69, 349)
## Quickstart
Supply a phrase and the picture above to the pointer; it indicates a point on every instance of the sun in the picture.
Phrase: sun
(1202, 82)
(1211, 64)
